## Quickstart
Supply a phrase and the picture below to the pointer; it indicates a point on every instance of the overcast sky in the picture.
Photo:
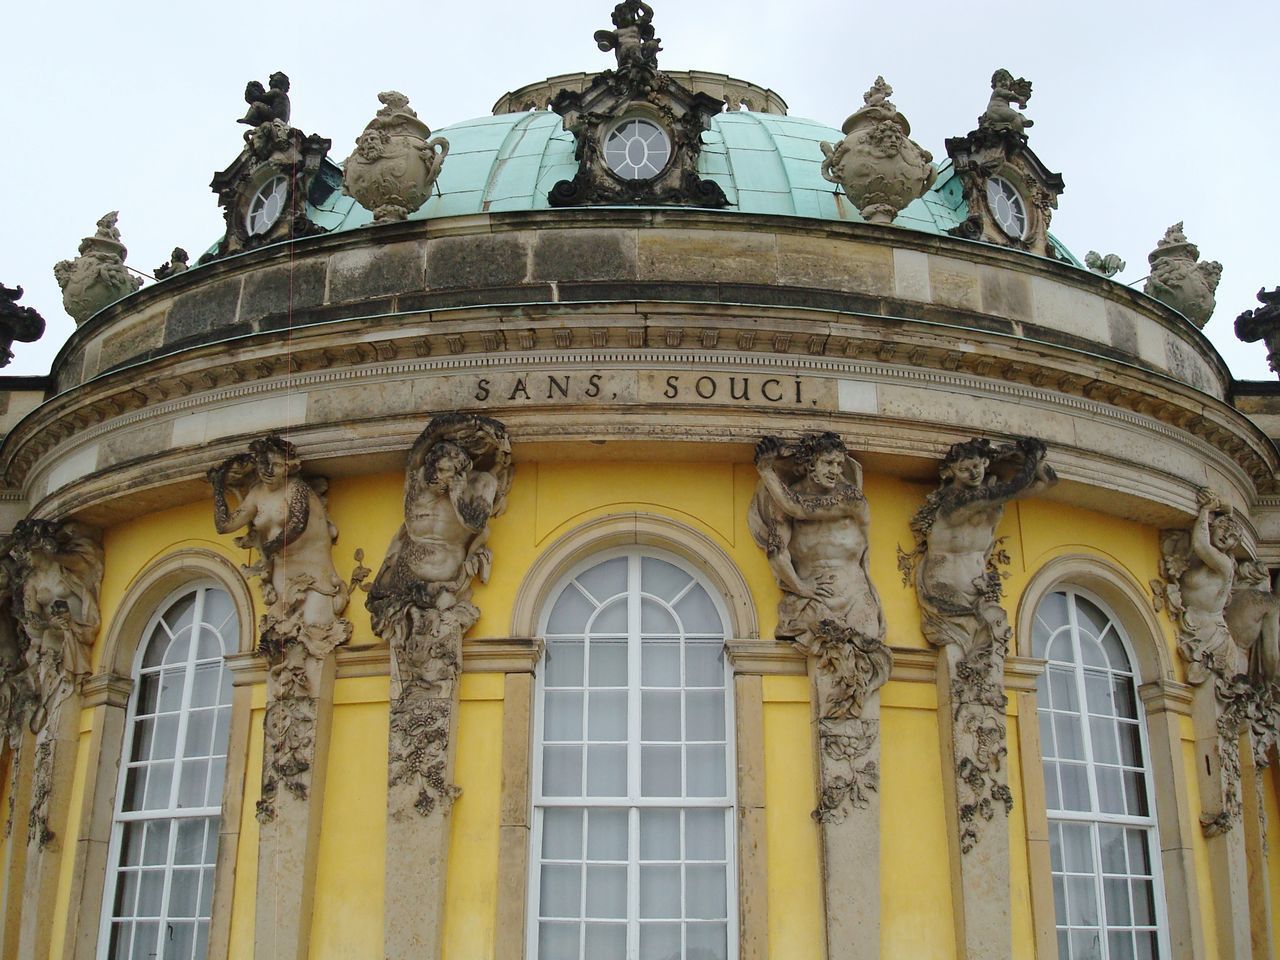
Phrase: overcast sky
(1153, 113)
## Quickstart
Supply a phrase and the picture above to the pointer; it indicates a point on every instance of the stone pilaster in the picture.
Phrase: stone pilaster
(290, 816)
(15, 844)
(1255, 844)
(971, 722)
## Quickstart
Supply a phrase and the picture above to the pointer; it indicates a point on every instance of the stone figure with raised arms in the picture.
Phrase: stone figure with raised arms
(632, 38)
(1006, 91)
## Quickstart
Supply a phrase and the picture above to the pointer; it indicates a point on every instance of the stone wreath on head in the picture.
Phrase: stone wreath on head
(274, 442)
(814, 445)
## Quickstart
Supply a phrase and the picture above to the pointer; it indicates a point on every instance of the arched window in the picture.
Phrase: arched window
(1104, 853)
(633, 777)
(164, 840)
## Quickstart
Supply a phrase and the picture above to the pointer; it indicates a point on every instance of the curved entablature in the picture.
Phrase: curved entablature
(637, 326)
(735, 94)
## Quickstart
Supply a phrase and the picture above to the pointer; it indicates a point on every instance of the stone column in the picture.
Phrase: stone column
(971, 706)
(294, 764)
(53, 768)
(15, 833)
(1218, 763)
(1252, 776)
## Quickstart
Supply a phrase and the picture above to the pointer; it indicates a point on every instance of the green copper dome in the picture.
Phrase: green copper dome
(765, 163)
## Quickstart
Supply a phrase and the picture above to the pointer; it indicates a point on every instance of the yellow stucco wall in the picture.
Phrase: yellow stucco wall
(548, 500)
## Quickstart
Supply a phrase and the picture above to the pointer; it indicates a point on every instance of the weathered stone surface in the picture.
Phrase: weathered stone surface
(488, 260)
(203, 310)
(361, 402)
(1005, 293)
(707, 255)
(1122, 332)
(819, 262)
(584, 255)
(954, 283)
(135, 336)
(282, 290)
(385, 270)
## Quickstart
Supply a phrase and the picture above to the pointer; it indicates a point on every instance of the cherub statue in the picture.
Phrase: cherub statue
(57, 566)
(176, 264)
(288, 526)
(954, 562)
(633, 41)
(810, 517)
(1107, 266)
(457, 478)
(1005, 91)
(1198, 571)
(267, 105)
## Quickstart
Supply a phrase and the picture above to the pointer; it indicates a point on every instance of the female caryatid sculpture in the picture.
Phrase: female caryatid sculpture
(287, 524)
(457, 478)
(810, 517)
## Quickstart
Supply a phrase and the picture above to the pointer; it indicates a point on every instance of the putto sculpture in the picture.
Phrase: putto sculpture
(632, 38)
(176, 264)
(1178, 279)
(955, 567)
(457, 479)
(266, 105)
(1106, 266)
(880, 167)
(1000, 114)
(16, 323)
(1263, 323)
(98, 276)
(810, 517)
(394, 165)
(286, 523)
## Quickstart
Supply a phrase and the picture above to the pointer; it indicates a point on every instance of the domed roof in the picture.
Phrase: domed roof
(766, 163)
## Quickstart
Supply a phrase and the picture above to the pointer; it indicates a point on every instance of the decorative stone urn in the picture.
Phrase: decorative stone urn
(98, 276)
(1178, 280)
(880, 167)
(394, 165)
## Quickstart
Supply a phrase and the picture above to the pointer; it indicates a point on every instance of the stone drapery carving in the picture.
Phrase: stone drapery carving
(1106, 266)
(1263, 323)
(810, 517)
(636, 90)
(16, 323)
(1228, 625)
(267, 104)
(880, 167)
(288, 526)
(955, 567)
(1179, 279)
(1000, 114)
(176, 264)
(394, 165)
(98, 276)
(265, 191)
(457, 478)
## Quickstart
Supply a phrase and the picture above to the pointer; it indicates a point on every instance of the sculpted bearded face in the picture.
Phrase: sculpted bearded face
(369, 144)
(447, 461)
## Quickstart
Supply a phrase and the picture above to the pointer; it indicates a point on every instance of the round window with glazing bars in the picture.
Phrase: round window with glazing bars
(637, 149)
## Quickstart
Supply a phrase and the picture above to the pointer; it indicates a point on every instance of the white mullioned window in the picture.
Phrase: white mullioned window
(1104, 851)
(164, 839)
(633, 827)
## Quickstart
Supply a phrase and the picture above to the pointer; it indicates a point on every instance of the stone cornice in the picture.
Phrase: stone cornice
(106, 689)
(1167, 695)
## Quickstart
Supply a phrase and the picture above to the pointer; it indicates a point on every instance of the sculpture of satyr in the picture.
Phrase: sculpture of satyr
(633, 39)
(810, 517)
(266, 105)
(58, 569)
(457, 478)
(287, 524)
(955, 567)
(1253, 620)
(1006, 91)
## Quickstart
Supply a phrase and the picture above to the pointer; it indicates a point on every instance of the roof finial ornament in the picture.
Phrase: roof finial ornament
(1005, 91)
(1179, 280)
(394, 165)
(98, 276)
(880, 167)
(632, 41)
(16, 323)
(177, 263)
(266, 105)
(1263, 323)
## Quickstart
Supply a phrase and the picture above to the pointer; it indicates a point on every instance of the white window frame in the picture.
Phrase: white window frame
(172, 813)
(633, 802)
(1148, 823)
